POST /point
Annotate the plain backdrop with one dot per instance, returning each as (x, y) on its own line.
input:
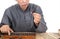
(50, 8)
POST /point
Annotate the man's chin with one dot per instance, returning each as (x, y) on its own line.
(24, 4)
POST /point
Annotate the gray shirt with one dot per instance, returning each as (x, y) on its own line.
(22, 21)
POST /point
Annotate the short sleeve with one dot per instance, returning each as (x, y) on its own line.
(6, 20)
(42, 25)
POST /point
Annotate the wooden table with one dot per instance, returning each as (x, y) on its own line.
(45, 36)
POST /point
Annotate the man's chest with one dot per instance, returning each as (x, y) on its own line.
(22, 18)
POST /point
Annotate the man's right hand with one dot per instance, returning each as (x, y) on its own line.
(6, 29)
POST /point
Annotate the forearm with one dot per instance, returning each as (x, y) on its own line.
(41, 28)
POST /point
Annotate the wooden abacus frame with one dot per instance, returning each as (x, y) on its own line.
(19, 35)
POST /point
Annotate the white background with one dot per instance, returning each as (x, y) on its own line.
(50, 8)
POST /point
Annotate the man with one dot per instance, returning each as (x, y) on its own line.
(23, 17)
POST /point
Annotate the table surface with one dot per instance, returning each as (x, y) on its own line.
(47, 36)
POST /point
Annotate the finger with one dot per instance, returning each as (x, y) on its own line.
(37, 19)
(33, 14)
(3, 31)
(0, 29)
(11, 30)
(36, 14)
(8, 32)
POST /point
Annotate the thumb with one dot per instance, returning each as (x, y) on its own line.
(34, 13)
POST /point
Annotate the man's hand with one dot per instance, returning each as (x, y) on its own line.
(37, 18)
(6, 29)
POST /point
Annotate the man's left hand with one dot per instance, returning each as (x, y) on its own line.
(37, 18)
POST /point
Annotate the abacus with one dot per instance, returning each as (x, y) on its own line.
(18, 35)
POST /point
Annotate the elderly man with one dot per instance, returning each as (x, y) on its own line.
(23, 17)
